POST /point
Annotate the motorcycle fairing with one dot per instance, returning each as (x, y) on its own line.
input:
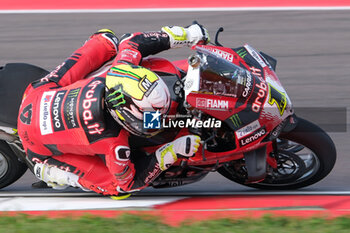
(255, 161)
(263, 97)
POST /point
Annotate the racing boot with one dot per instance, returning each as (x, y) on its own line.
(109, 38)
(191, 35)
(40, 185)
(56, 178)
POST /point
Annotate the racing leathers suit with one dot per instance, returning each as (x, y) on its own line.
(63, 123)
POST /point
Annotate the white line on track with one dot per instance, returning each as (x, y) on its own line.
(81, 203)
(171, 194)
(16, 201)
(147, 10)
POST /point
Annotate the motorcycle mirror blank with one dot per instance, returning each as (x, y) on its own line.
(221, 29)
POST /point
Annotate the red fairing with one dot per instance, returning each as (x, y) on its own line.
(181, 64)
(220, 107)
(160, 65)
(226, 53)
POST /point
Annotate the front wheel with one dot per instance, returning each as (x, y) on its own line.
(11, 169)
(305, 156)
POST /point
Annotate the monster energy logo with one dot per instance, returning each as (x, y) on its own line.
(118, 97)
(242, 53)
(236, 121)
(73, 93)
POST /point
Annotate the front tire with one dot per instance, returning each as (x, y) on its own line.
(11, 169)
(305, 169)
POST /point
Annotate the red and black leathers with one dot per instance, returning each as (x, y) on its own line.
(62, 120)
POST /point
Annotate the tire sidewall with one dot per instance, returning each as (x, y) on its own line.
(316, 140)
(15, 168)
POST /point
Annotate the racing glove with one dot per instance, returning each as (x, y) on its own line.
(191, 35)
(185, 146)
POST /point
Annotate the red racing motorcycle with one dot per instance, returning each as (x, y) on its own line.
(251, 135)
(232, 98)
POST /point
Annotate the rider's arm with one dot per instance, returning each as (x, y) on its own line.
(133, 47)
(100, 48)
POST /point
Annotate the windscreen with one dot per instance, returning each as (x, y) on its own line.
(219, 76)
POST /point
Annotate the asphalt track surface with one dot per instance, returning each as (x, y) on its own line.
(312, 49)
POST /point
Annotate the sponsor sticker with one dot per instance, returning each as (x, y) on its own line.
(248, 129)
(45, 113)
(70, 109)
(212, 104)
(253, 137)
(255, 55)
(236, 121)
(225, 55)
(242, 53)
(90, 109)
(259, 100)
(56, 108)
(201, 103)
(248, 85)
(256, 71)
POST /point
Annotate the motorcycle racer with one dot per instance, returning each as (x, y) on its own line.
(68, 123)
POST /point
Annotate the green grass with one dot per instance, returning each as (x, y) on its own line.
(147, 224)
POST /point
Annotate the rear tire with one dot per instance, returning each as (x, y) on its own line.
(11, 169)
(311, 137)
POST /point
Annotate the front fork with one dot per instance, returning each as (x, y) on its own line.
(256, 161)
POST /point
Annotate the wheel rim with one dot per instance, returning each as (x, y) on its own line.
(297, 164)
(4, 166)
(308, 168)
